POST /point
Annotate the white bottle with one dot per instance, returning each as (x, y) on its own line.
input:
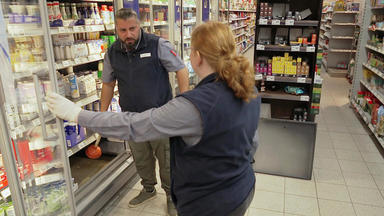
(74, 87)
(96, 9)
(60, 84)
(56, 10)
(51, 14)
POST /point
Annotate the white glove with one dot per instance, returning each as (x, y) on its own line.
(62, 107)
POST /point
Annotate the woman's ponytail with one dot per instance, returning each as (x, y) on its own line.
(216, 43)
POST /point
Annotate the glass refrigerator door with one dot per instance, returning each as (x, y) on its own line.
(32, 136)
(144, 15)
(160, 18)
(188, 24)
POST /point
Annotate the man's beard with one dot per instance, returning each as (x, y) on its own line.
(130, 46)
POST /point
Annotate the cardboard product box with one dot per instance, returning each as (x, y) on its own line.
(74, 134)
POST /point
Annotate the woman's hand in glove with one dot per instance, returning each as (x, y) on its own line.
(62, 107)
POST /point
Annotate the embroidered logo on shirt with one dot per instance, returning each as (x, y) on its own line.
(173, 52)
(145, 55)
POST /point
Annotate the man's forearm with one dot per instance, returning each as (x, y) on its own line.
(183, 80)
(106, 96)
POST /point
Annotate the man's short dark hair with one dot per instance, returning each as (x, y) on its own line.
(126, 13)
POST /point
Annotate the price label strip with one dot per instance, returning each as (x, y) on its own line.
(304, 98)
(311, 49)
(78, 61)
(62, 30)
(290, 22)
(276, 22)
(258, 77)
(78, 28)
(301, 80)
(271, 78)
(263, 22)
(295, 48)
(260, 47)
(66, 63)
(69, 152)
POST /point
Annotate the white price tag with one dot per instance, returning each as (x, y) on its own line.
(36, 122)
(6, 193)
(260, 47)
(17, 31)
(258, 77)
(263, 22)
(295, 48)
(78, 61)
(275, 22)
(82, 145)
(78, 28)
(318, 80)
(66, 63)
(57, 65)
(290, 22)
(301, 80)
(69, 152)
(311, 49)
(48, 178)
(62, 30)
(271, 78)
(102, 55)
(88, 28)
(304, 98)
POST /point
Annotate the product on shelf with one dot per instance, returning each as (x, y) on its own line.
(281, 11)
(283, 66)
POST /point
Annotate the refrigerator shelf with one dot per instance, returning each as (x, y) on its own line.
(21, 129)
(81, 145)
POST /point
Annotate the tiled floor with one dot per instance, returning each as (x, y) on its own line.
(348, 172)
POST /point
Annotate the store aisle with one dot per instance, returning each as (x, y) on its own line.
(348, 172)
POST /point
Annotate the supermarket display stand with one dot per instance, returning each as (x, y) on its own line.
(366, 46)
(295, 152)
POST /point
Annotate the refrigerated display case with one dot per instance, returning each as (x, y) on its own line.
(32, 141)
(153, 15)
(188, 22)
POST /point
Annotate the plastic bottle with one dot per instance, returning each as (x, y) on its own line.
(63, 12)
(96, 9)
(56, 8)
(91, 11)
(51, 14)
(60, 84)
(100, 69)
(105, 14)
(111, 14)
(74, 87)
(75, 16)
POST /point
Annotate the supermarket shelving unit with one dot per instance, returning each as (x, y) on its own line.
(242, 20)
(338, 40)
(282, 103)
(367, 48)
